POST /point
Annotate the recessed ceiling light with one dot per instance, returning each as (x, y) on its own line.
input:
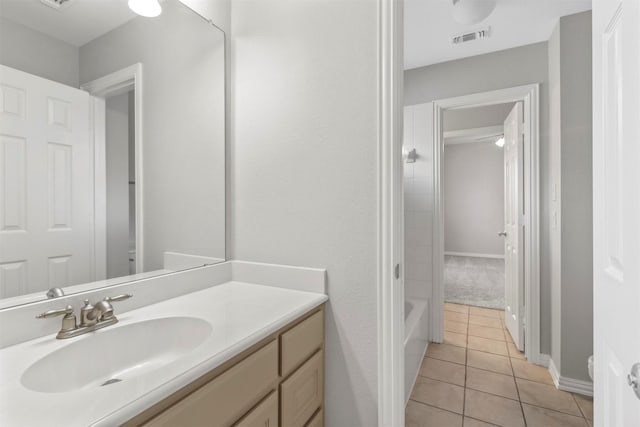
(146, 8)
(500, 142)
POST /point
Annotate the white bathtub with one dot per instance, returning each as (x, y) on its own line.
(416, 339)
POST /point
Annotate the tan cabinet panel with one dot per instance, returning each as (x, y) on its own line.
(227, 397)
(317, 420)
(263, 415)
(302, 393)
(301, 341)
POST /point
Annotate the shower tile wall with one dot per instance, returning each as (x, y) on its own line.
(418, 201)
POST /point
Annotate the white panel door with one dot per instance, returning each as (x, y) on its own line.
(616, 216)
(513, 228)
(46, 184)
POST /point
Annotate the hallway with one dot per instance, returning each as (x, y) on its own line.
(479, 378)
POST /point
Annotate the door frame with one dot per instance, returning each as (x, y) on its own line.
(529, 95)
(390, 215)
(118, 82)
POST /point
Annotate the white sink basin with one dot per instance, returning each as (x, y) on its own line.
(110, 356)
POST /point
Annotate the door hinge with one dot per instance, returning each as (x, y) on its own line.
(396, 271)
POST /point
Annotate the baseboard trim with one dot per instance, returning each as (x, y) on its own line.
(474, 255)
(543, 360)
(569, 384)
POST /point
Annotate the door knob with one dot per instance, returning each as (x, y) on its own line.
(633, 379)
(503, 234)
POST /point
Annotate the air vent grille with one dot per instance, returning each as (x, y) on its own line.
(471, 36)
(58, 5)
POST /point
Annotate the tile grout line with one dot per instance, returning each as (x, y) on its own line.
(436, 407)
(524, 419)
(584, 415)
(554, 410)
(474, 367)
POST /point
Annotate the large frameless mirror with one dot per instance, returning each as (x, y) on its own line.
(112, 145)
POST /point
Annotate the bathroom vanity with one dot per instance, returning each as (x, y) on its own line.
(279, 381)
(191, 338)
(243, 346)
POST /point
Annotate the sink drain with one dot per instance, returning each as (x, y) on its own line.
(111, 381)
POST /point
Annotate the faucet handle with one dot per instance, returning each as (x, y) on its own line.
(118, 298)
(68, 321)
(66, 311)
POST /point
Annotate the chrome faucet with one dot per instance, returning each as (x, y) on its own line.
(92, 317)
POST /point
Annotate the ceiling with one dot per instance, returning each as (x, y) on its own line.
(429, 26)
(78, 24)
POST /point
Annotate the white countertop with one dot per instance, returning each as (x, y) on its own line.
(241, 315)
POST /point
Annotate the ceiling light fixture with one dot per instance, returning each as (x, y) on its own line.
(472, 11)
(146, 8)
(500, 142)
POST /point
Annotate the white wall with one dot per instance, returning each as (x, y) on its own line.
(184, 126)
(117, 170)
(218, 11)
(303, 169)
(570, 66)
(499, 70)
(473, 196)
(37, 53)
(418, 193)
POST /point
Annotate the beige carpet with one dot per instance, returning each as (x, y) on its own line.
(474, 281)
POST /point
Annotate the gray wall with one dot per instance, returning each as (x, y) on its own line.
(36, 53)
(473, 194)
(183, 121)
(303, 167)
(555, 205)
(117, 170)
(570, 61)
(466, 118)
(499, 70)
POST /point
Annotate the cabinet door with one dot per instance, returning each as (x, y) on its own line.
(300, 342)
(263, 415)
(317, 420)
(226, 398)
(302, 392)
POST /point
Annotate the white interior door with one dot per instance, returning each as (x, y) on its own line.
(616, 219)
(46, 184)
(513, 226)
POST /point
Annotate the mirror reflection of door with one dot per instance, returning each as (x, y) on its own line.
(46, 185)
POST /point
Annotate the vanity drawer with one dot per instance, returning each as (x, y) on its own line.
(300, 342)
(263, 415)
(303, 392)
(227, 397)
(317, 420)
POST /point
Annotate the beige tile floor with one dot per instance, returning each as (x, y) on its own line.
(477, 377)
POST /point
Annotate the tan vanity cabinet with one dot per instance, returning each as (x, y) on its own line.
(263, 415)
(317, 420)
(278, 382)
(302, 392)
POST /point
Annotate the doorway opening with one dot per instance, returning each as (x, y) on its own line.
(474, 205)
(522, 263)
(116, 103)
